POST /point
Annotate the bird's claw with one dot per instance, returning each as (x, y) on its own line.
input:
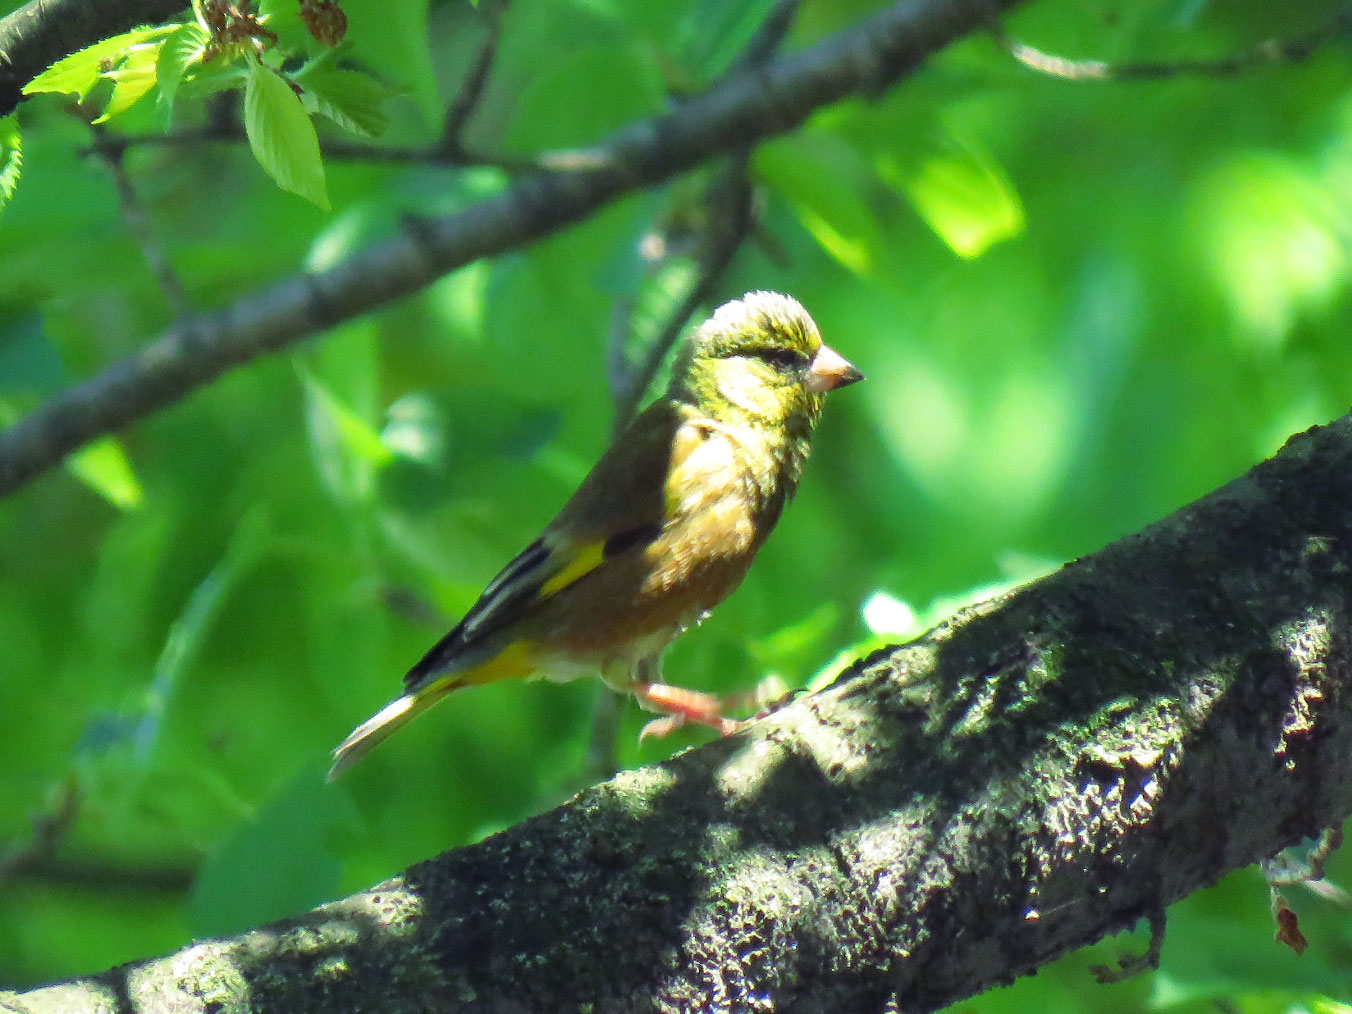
(660, 728)
(681, 706)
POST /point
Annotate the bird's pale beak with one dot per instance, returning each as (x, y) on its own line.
(830, 370)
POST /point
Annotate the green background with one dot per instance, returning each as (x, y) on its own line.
(1080, 305)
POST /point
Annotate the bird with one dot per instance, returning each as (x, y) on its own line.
(661, 530)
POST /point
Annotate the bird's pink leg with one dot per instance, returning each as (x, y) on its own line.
(675, 704)
(679, 706)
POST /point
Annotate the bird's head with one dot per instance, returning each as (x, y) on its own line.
(760, 359)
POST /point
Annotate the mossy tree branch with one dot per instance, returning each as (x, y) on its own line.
(1028, 777)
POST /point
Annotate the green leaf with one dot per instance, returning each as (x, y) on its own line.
(718, 31)
(281, 135)
(393, 38)
(191, 626)
(832, 191)
(29, 364)
(80, 72)
(282, 862)
(964, 196)
(103, 466)
(353, 100)
(11, 157)
(283, 18)
(347, 448)
(1274, 240)
(132, 79)
(181, 51)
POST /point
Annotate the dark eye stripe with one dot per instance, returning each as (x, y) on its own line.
(781, 359)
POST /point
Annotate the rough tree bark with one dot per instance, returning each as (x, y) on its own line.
(1028, 777)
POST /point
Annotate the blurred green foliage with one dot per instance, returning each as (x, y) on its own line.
(1079, 306)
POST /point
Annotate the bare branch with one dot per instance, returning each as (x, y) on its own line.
(740, 111)
(729, 221)
(134, 214)
(1028, 777)
(768, 37)
(476, 79)
(51, 826)
(1265, 54)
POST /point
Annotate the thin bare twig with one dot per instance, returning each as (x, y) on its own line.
(138, 224)
(733, 115)
(437, 153)
(769, 35)
(1285, 871)
(1267, 53)
(1135, 964)
(729, 211)
(476, 80)
(728, 221)
(51, 825)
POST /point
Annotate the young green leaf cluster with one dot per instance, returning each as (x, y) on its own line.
(227, 47)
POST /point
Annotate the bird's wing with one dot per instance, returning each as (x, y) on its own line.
(621, 506)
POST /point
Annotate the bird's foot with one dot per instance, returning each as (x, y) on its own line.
(681, 706)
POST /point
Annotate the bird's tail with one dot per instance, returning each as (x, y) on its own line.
(387, 721)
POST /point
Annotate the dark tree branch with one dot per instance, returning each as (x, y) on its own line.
(43, 31)
(51, 825)
(1031, 775)
(738, 112)
(438, 153)
(1265, 54)
(765, 43)
(476, 79)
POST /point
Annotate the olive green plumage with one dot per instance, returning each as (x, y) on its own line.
(661, 530)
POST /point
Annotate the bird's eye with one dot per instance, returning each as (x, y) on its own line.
(780, 359)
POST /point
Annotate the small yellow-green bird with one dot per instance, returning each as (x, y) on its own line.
(661, 530)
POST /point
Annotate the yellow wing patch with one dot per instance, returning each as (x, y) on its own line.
(588, 558)
(515, 661)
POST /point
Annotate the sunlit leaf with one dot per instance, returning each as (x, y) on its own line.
(103, 467)
(80, 72)
(11, 157)
(416, 429)
(347, 448)
(283, 18)
(180, 52)
(832, 191)
(964, 196)
(788, 646)
(1272, 239)
(132, 79)
(353, 100)
(281, 135)
(576, 94)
